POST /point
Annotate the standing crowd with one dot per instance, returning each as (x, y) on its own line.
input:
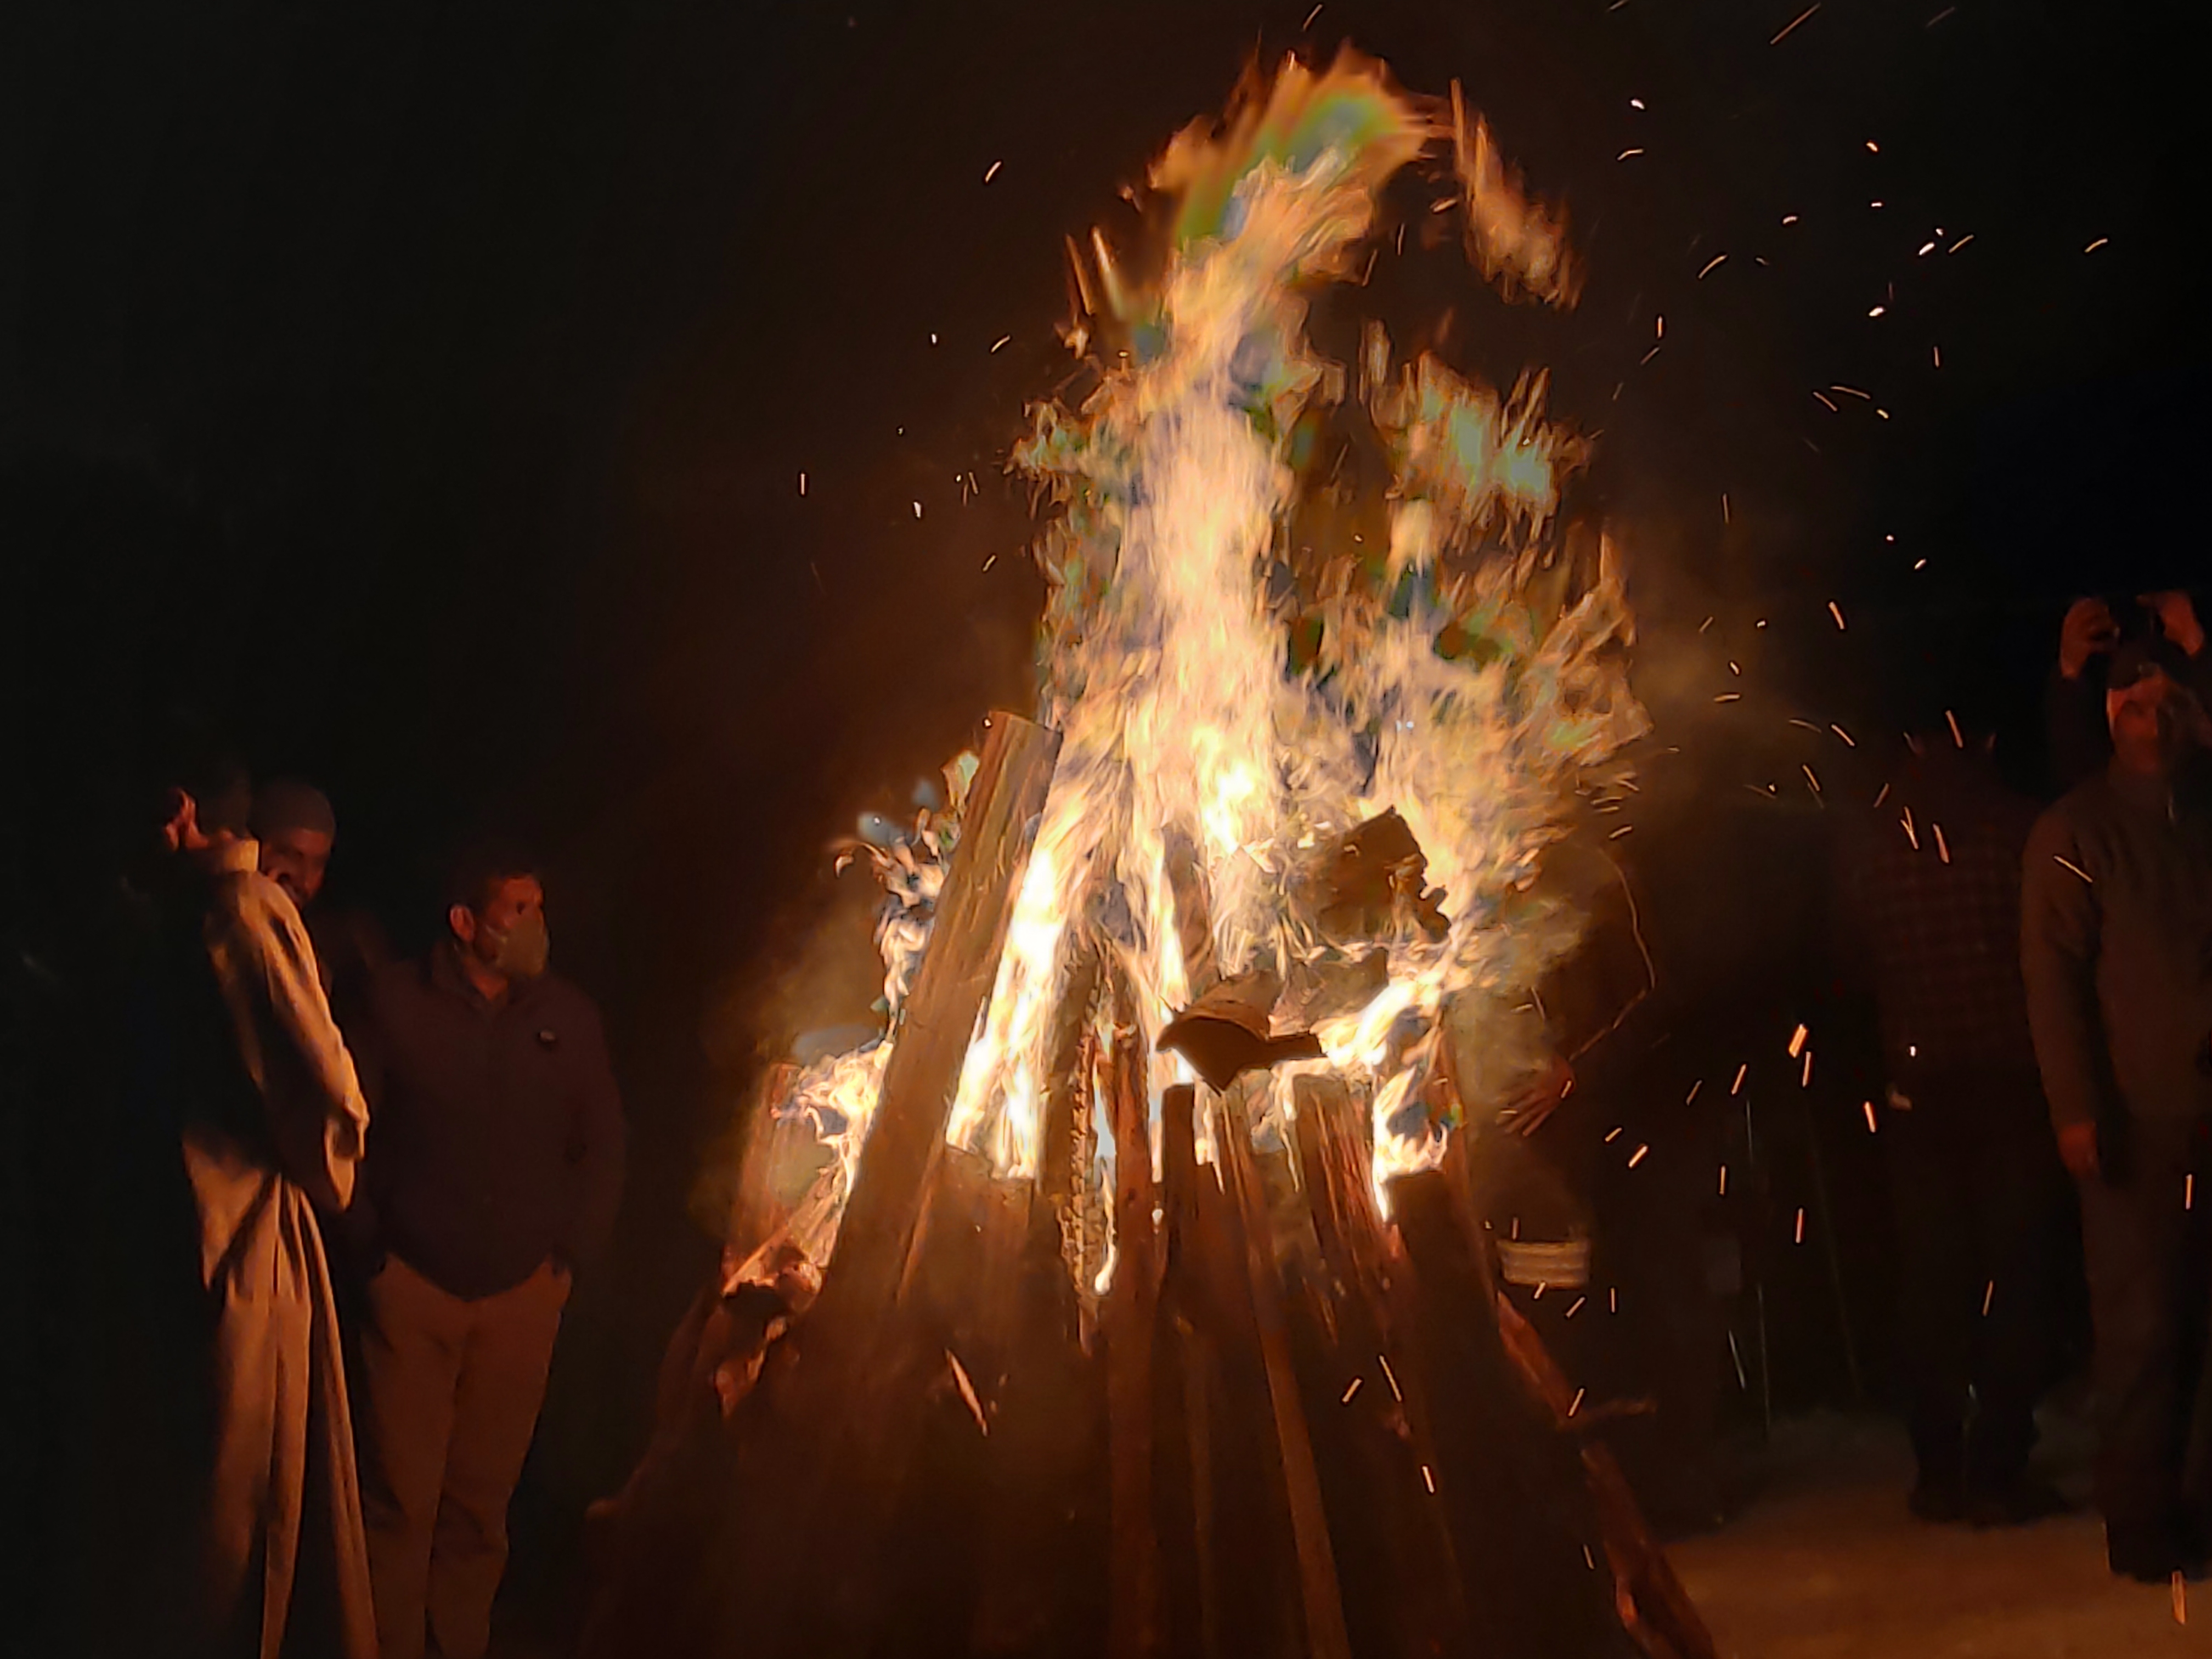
(2044, 988)
(387, 1174)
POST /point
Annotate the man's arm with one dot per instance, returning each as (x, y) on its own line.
(2059, 961)
(316, 1114)
(596, 1147)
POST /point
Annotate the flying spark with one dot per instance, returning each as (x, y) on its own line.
(1793, 23)
(991, 172)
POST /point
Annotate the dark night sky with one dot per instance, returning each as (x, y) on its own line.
(425, 387)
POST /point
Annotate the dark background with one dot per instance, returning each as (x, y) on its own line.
(426, 389)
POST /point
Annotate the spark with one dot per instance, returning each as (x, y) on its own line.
(1619, 833)
(2077, 870)
(1825, 398)
(1837, 614)
(992, 171)
(1724, 519)
(1724, 1181)
(1920, 564)
(2095, 245)
(802, 484)
(1576, 1404)
(1716, 259)
(1882, 797)
(1939, 17)
(1989, 1294)
(917, 509)
(1577, 1308)
(1351, 1391)
(1936, 352)
(1877, 310)
(1911, 834)
(1708, 622)
(1873, 149)
(1805, 1080)
(1625, 153)
(1659, 326)
(1868, 1107)
(1647, 356)
(1729, 696)
(1793, 23)
(1737, 1087)
(1428, 1479)
(1853, 392)
(1612, 1300)
(1638, 1155)
(1789, 218)
(1926, 248)
(1797, 1041)
(1845, 735)
(1960, 243)
(1000, 340)
(968, 1391)
(1612, 1135)
(1942, 847)
(1310, 15)
(1391, 1377)
(1693, 1095)
(1957, 739)
(1800, 1239)
(1635, 103)
(1874, 205)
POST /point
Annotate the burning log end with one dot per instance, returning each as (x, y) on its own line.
(1225, 1033)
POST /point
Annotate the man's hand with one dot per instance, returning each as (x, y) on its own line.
(2077, 1150)
(1531, 1108)
(2177, 620)
(2088, 631)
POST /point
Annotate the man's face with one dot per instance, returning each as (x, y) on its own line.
(295, 859)
(2149, 730)
(509, 901)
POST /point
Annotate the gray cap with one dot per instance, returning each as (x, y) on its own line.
(290, 804)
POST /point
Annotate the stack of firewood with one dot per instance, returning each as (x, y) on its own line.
(1291, 1426)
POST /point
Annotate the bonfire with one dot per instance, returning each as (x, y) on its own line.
(1126, 1293)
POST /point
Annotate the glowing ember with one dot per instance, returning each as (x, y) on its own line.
(1319, 723)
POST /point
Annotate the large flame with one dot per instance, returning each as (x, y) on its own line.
(1241, 679)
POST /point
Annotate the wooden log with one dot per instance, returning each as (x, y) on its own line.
(1191, 1587)
(998, 826)
(1131, 1308)
(1321, 1598)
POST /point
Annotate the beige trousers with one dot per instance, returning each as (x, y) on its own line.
(451, 1393)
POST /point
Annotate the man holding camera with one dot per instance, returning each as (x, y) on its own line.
(2074, 704)
(2115, 951)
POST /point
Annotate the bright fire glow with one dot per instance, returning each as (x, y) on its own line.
(1251, 649)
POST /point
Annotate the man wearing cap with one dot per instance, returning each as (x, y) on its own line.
(2074, 702)
(2116, 950)
(296, 828)
(493, 1174)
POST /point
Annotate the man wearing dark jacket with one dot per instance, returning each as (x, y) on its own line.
(495, 1172)
(2116, 944)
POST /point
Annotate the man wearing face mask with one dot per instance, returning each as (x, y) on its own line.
(2116, 954)
(493, 1175)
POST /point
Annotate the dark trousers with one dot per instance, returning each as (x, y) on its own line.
(2144, 1224)
(1978, 1193)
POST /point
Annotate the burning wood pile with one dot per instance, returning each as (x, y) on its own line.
(1129, 1294)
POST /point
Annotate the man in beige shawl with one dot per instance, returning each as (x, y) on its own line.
(239, 1054)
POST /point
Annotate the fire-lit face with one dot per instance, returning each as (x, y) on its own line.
(514, 904)
(296, 860)
(2149, 728)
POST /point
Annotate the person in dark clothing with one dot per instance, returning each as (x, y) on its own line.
(2074, 702)
(493, 1176)
(297, 831)
(1932, 890)
(2116, 944)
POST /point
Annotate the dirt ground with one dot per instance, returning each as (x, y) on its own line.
(1825, 1564)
